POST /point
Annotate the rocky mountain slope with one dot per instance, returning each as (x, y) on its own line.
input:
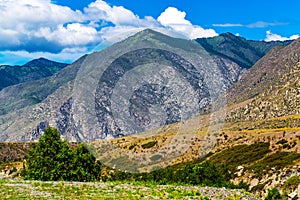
(270, 89)
(89, 99)
(31, 71)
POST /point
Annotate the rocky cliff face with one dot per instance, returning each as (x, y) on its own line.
(143, 82)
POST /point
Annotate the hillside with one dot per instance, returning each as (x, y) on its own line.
(31, 71)
(270, 88)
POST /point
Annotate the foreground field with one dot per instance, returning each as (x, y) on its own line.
(19, 189)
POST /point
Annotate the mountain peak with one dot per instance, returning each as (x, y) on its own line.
(148, 33)
(42, 62)
(32, 70)
(228, 34)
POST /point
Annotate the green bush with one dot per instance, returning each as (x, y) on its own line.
(273, 194)
(51, 160)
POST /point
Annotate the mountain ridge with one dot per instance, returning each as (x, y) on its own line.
(33, 70)
(238, 49)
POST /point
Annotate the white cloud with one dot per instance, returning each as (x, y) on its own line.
(73, 34)
(175, 20)
(110, 35)
(118, 15)
(32, 25)
(275, 37)
(42, 27)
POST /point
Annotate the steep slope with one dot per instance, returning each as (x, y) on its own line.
(145, 81)
(33, 70)
(241, 51)
(270, 89)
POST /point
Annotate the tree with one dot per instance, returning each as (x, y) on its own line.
(85, 166)
(53, 160)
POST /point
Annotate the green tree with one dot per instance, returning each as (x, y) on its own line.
(85, 166)
(49, 159)
(53, 160)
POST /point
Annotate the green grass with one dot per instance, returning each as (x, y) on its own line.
(13, 189)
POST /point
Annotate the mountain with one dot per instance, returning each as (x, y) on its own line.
(239, 50)
(33, 70)
(269, 90)
(146, 81)
(257, 140)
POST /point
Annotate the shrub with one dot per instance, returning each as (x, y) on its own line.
(149, 145)
(201, 174)
(51, 160)
(273, 194)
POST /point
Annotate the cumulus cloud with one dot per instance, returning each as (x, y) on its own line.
(32, 27)
(175, 20)
(118, 15)
(72, 34)
(35, 25)
(275, 37)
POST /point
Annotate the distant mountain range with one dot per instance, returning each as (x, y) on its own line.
(209, 66)
(241, 51)
(31, 71)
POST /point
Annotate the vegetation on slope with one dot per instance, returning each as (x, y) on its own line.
(241, 155)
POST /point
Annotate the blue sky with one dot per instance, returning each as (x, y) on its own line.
(63, 30)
